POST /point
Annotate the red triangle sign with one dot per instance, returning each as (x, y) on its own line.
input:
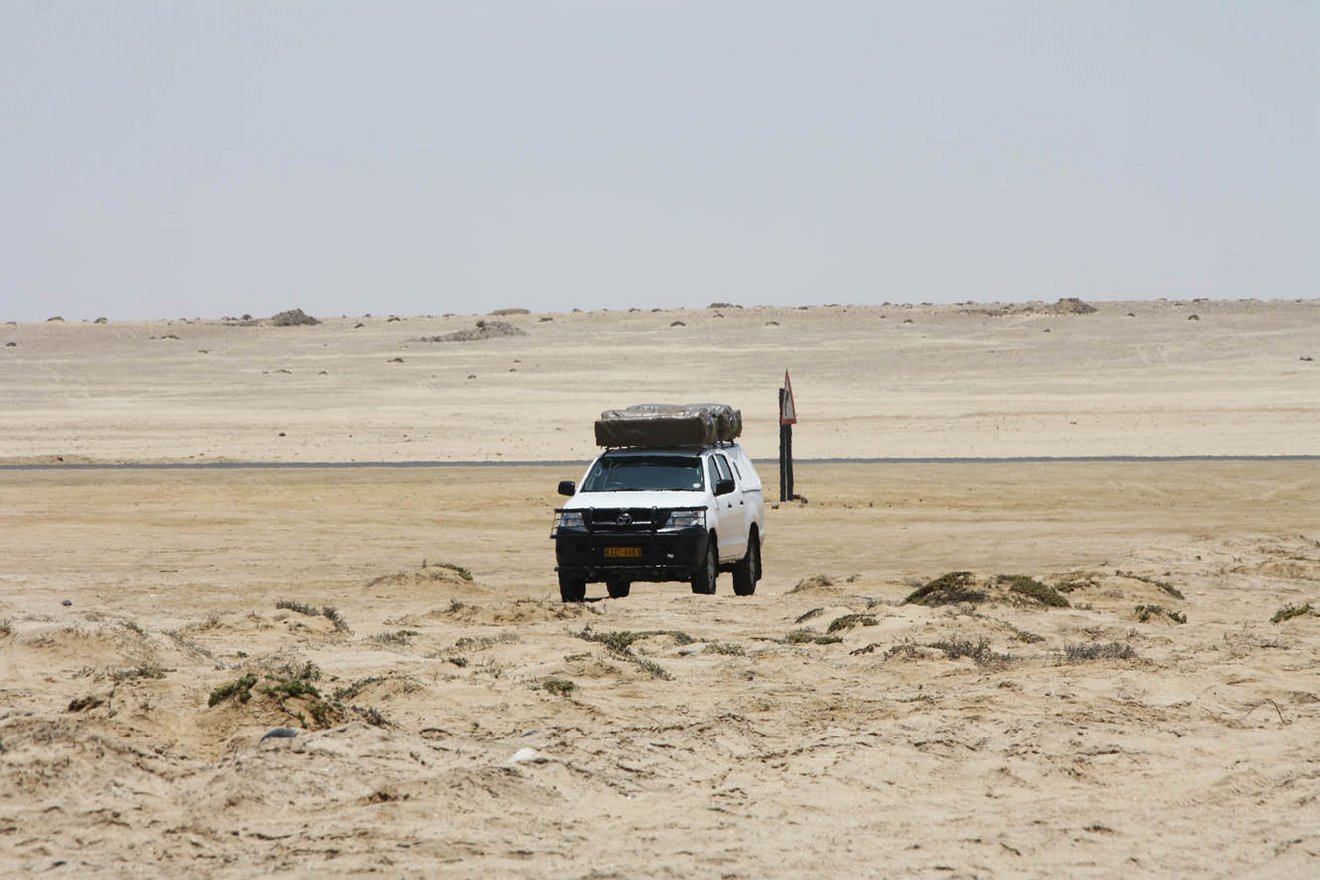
(788, 411)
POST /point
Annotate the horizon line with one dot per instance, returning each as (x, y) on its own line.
(515, 311)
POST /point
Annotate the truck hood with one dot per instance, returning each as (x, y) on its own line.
(583, 500)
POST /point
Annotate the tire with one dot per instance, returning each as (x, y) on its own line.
(747, 571)
(703, 580)
(618, 589)
(572, 588)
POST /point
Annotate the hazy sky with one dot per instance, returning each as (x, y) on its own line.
(176, 159)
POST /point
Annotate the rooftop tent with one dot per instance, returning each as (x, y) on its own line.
(667, 424)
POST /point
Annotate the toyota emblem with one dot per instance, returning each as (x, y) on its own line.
(624, 519)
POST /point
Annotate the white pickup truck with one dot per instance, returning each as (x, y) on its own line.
(673, 513)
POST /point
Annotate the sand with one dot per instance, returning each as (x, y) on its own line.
(901, 381)
(453, 718)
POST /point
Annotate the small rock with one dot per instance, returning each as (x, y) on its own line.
(279, 733)
(291, 318)
(67, 602)
(528, 756)
(386, 794)
(483, 330)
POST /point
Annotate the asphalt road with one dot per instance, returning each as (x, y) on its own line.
(332, 465)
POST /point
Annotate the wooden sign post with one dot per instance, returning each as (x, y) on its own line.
(787, 419)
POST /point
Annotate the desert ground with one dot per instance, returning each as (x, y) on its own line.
(1095, 667)
(903, 381)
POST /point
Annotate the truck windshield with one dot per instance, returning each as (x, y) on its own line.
(639, 474)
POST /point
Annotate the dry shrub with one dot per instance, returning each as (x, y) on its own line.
(978, 652)
(1079, 653)
(815, 582)
(1033, 589)
(948, 589)
(1288, 612)
(848, 621)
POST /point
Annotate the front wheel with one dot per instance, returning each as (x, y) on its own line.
(747, 571)
(618, 589)
(703, 579)
(572, 588)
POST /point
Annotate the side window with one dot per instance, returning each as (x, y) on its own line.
(722, 463)
(714, 474)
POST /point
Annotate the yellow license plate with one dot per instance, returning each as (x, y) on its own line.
(623, 552)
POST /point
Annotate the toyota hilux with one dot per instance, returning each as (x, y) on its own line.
(668, 513)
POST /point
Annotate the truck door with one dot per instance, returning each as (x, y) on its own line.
(733, 513)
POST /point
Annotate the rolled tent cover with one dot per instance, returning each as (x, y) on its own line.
(668, 424)
(728, 421)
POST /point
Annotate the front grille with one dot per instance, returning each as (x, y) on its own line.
(628, 519)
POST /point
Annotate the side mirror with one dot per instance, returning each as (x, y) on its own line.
(566, 487)
(723, 487)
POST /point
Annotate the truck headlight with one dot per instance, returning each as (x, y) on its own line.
(566, 519)
(686, 519)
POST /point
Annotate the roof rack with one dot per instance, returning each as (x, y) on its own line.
(676, 447)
